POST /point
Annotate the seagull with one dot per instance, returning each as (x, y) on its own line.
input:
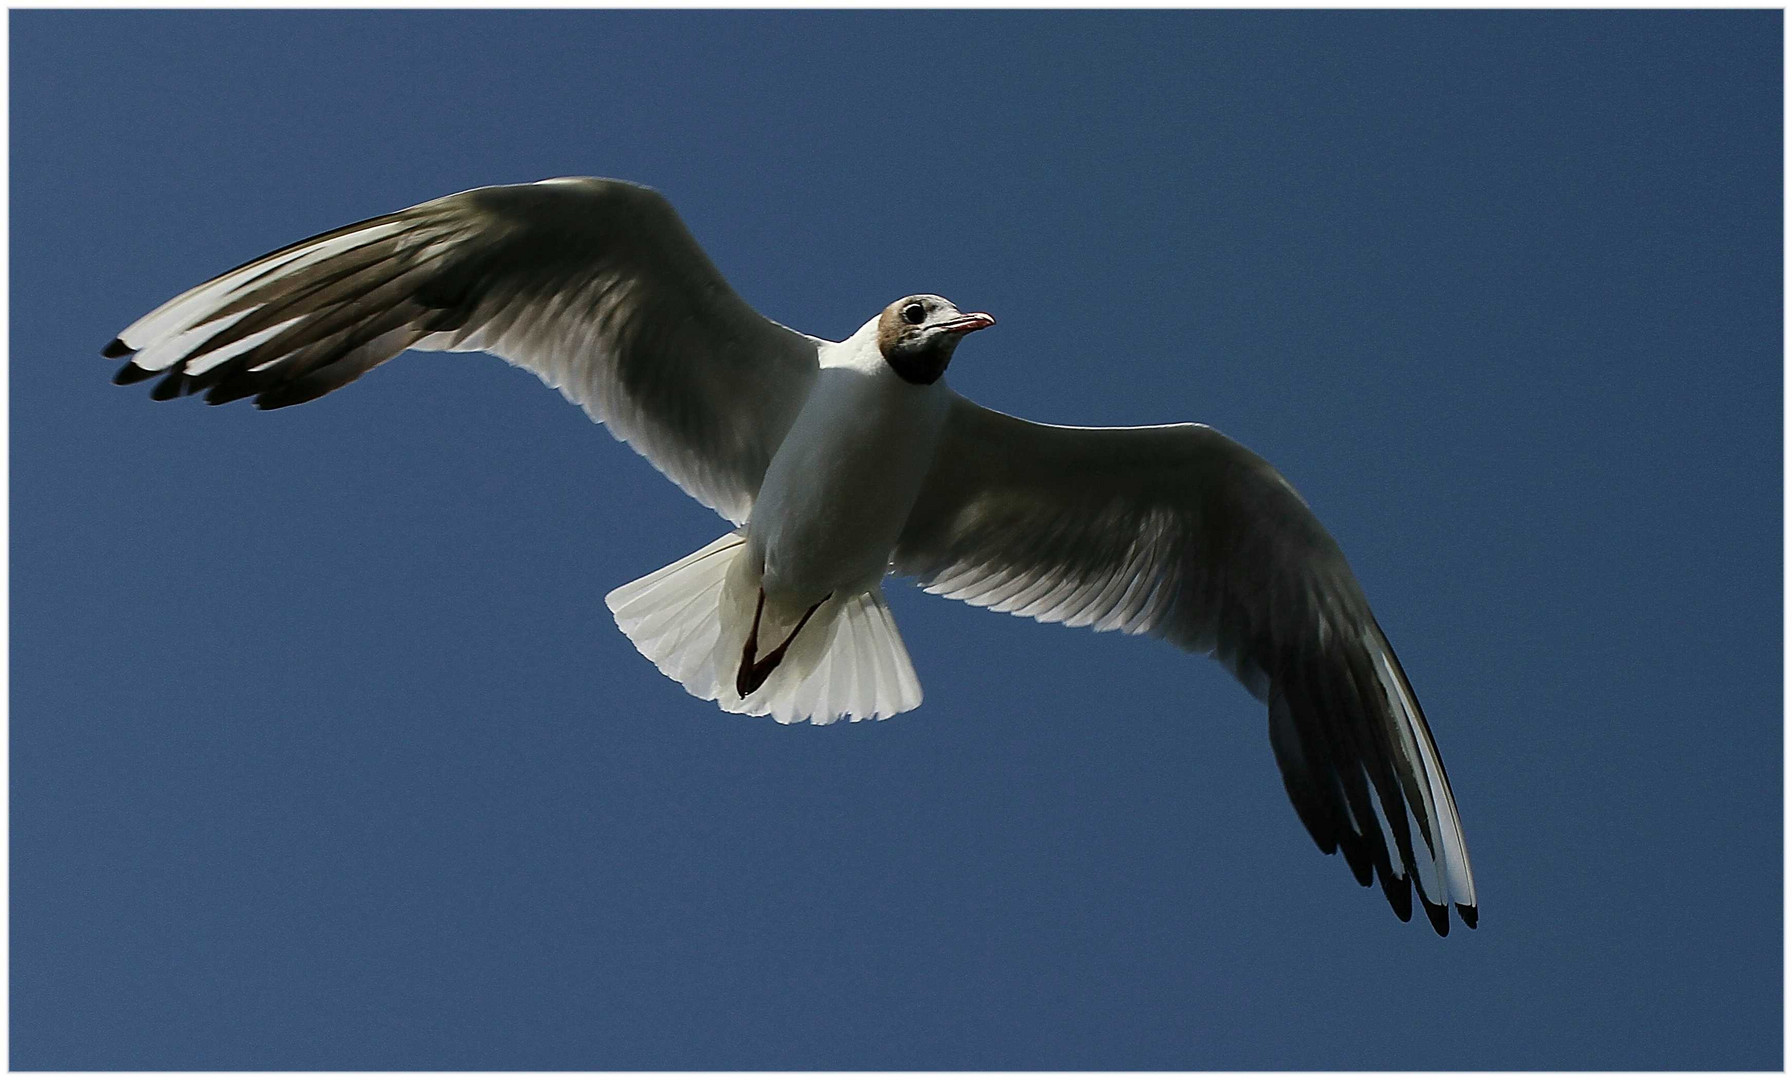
(839, 463)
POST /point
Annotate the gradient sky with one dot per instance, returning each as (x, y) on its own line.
(326, 753)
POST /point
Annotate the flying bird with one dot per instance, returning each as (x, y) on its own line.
(840, 463)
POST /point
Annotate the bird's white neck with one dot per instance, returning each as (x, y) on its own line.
(858, 352)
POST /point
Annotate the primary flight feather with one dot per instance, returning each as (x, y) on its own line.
(840, 463)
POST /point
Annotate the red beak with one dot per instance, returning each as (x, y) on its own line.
(964, 324)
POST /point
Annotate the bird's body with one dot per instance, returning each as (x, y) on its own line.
(840, 487)
(839, 463)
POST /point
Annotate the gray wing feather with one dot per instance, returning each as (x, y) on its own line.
(594, 285)
(1181, 533)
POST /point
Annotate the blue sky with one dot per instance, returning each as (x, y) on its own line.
(326, 753)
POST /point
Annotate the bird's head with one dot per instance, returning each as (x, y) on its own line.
(917, 334)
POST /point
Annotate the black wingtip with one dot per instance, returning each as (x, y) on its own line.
(116, 348)
(171, 387)
(1439, 914)
(1399, 893)
(1468, 915)
(268, 400)
(130, 373)
(1361, 867)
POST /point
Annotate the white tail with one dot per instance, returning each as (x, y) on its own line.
(692, 618)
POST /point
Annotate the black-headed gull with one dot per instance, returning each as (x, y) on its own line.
(839, 463)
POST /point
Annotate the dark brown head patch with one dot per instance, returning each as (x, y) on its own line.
(889, 328)
(915, 352)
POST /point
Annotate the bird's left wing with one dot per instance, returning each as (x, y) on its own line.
(1179, 532)
(594, 285)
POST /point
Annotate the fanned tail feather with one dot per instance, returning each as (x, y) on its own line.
(692, 618)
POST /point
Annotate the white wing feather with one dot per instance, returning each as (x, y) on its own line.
(594, 285)
(1181, 533)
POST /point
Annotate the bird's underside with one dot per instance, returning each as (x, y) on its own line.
(1173, 531)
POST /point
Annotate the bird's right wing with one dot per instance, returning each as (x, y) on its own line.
(594, 285)
(1181, 533)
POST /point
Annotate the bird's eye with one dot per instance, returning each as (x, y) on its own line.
(914, 314)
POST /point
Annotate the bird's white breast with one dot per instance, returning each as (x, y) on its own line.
(840, 488)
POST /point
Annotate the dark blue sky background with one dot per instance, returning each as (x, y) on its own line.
(326, 753)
